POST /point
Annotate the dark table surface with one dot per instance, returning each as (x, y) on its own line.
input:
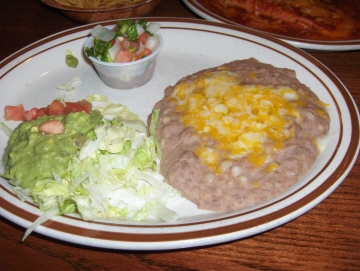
(325, 238)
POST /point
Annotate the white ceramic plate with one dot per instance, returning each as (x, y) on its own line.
(347, 45)
(31, 76)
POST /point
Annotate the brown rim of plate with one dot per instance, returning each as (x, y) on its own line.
(337, 175)
(55, 4)
(195, 4)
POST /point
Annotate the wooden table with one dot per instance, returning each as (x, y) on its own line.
(325, 238)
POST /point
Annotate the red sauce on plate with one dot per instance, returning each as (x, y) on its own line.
(306, 19)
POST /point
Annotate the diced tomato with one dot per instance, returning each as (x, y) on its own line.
(42, 111)
(144, 53)
(87, 106)
(143, 37)
(125, 44)
(31, 114)
(124, 56)
(14, 112)
(134, 46)
(35, 113)
(56, 108)
(71, 107)
(83, 105)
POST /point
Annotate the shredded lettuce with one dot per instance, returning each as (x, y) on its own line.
(41, 219)
(120, 112)
(114, 176)
(154, 119)
(5, 129)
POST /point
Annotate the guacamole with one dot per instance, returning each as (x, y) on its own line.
(31, 156)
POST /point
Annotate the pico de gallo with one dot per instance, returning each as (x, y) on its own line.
(128, 41)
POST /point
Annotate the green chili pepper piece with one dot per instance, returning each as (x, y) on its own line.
(96, 44)
(88, 51)
(118, 33)
(128, 22)
(106, 57)
(132, 33)
(71, 61)
(101, 47)
(100, 50)
(143, 23)
(123, 29)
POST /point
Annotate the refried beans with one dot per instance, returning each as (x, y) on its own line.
(238, 134)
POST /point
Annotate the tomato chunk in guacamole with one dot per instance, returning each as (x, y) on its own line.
(31, 155)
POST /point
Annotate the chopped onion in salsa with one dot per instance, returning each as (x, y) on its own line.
(128, 41)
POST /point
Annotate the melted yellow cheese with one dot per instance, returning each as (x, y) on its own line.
(242, 119)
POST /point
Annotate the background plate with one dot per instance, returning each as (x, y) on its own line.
(31, 76)
(348, 45)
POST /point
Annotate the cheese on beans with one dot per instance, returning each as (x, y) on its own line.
(242, 119)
